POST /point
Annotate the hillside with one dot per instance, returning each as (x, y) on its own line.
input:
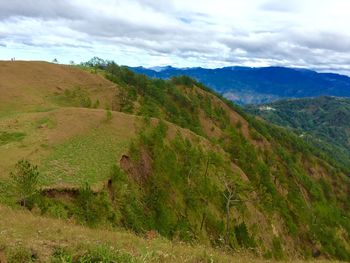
(166, 159)
(260, 85)
(323, 121)
(35, 86)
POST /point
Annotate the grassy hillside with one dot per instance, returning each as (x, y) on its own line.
(323, 121)
(169, 158)
(40, 86)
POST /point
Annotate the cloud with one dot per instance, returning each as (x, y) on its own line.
(324, 41)
(281, 6)
(181, 32)
(39, 9)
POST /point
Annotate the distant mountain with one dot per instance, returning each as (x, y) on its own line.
(245, 85)
(325, 121)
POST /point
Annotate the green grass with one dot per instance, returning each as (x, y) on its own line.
(8, 137)
(86, 158)
(77, 97)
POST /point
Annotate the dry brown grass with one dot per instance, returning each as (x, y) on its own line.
(27, 85)
(44, 235)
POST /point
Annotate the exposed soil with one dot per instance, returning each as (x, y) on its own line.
(66, 194)
(138, 170)
(2, 256)
(110, 189)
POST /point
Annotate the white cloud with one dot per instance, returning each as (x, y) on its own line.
(184, 33)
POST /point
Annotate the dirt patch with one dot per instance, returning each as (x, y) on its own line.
(237, 170)
(67, 194)
(152, 234)
(209, 127)
(110, 189)
(234, 118)
(138, 170)
(2, 256)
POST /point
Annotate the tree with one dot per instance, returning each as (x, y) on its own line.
(55, 60)
(25, 178)
(230, 197)
(205, 199)
(235, 192)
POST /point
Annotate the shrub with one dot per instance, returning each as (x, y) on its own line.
(85, 102)
(105, 254)
(93, 209)
(25, 179)
(61, 255)
(96, 104)
(108, 115)
(243, 237)
(20, 254)
(277, 249)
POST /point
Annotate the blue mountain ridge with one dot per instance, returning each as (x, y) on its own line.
(246, 85)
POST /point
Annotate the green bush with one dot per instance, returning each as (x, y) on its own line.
(61, 255)
(76, 97)
(243, 237)
(277, 249)
(105, 254)
(93, 209)
(20, 254)
(53, 207)
(109, 115)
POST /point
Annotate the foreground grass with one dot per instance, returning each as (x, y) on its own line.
(23, 234)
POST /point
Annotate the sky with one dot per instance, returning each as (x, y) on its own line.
(312, 34)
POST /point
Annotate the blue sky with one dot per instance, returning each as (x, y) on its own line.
(183, 33)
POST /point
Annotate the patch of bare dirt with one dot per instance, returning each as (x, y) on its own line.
(66, 194)
(2, 256)
(209, 127)
(152, 234)
(138, 170)
(235, 119)
(237, 170)
(110, 190)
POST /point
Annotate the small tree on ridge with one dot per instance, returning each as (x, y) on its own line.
(25, 179)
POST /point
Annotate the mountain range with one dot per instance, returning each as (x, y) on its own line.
(245, 85)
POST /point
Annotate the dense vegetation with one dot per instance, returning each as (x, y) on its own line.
(323, 122)
(278, 171)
